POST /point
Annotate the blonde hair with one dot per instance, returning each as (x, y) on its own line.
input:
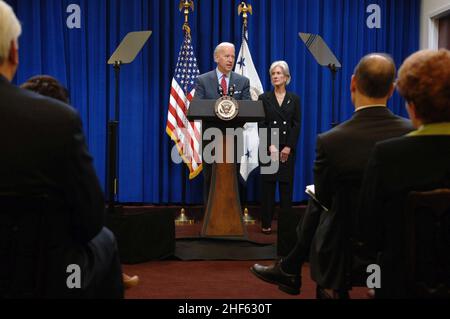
(10, 29)
(284, 67)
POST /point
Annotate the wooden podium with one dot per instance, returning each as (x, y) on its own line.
(223, 216)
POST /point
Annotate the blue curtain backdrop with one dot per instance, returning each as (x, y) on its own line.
(146, 174)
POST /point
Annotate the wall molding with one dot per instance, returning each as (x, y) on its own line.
(433, 25)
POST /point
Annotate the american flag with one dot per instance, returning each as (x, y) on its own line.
(185, 134)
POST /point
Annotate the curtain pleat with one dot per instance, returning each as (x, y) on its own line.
(77, 57)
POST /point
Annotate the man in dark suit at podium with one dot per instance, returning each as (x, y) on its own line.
(211, 86)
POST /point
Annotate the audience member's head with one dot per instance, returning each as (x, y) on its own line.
(10, 31)
(424, 82)
(47, 86)
(373, 79)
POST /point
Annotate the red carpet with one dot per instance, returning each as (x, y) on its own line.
(212, 279)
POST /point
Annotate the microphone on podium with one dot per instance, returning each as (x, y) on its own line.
(231, 90)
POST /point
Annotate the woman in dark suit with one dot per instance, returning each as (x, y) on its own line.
(282, 121)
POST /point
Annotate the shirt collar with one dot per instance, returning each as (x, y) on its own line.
(432, 129)
(359, 108)
(219, 74)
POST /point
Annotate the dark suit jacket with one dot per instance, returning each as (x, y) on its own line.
(207, 86)
(287, 120)
(397, 167)
(43, 151)
(341, 156)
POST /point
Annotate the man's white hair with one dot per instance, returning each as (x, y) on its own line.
(221, 46)
(10, 29)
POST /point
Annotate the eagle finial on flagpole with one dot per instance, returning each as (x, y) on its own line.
(186, 5)
(244, 8)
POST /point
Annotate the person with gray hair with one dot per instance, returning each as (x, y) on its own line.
(211, 86)
(10, 30)
(44, 153)
(283, 119)
(341, 156)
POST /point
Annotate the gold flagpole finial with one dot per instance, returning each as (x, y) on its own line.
(244, 8)
(186, 5)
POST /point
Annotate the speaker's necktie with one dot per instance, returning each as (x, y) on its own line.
(223, 83)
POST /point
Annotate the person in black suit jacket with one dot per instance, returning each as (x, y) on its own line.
(47, 85)
(46, 153)
(419, 161)
(282, 121)
(213, 84)
(341, 156)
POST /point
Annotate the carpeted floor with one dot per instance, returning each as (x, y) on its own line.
(213, 279)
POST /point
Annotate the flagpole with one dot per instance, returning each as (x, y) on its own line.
(182, 218)
(244, 9)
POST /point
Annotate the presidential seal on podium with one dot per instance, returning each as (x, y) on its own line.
(226, 108)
